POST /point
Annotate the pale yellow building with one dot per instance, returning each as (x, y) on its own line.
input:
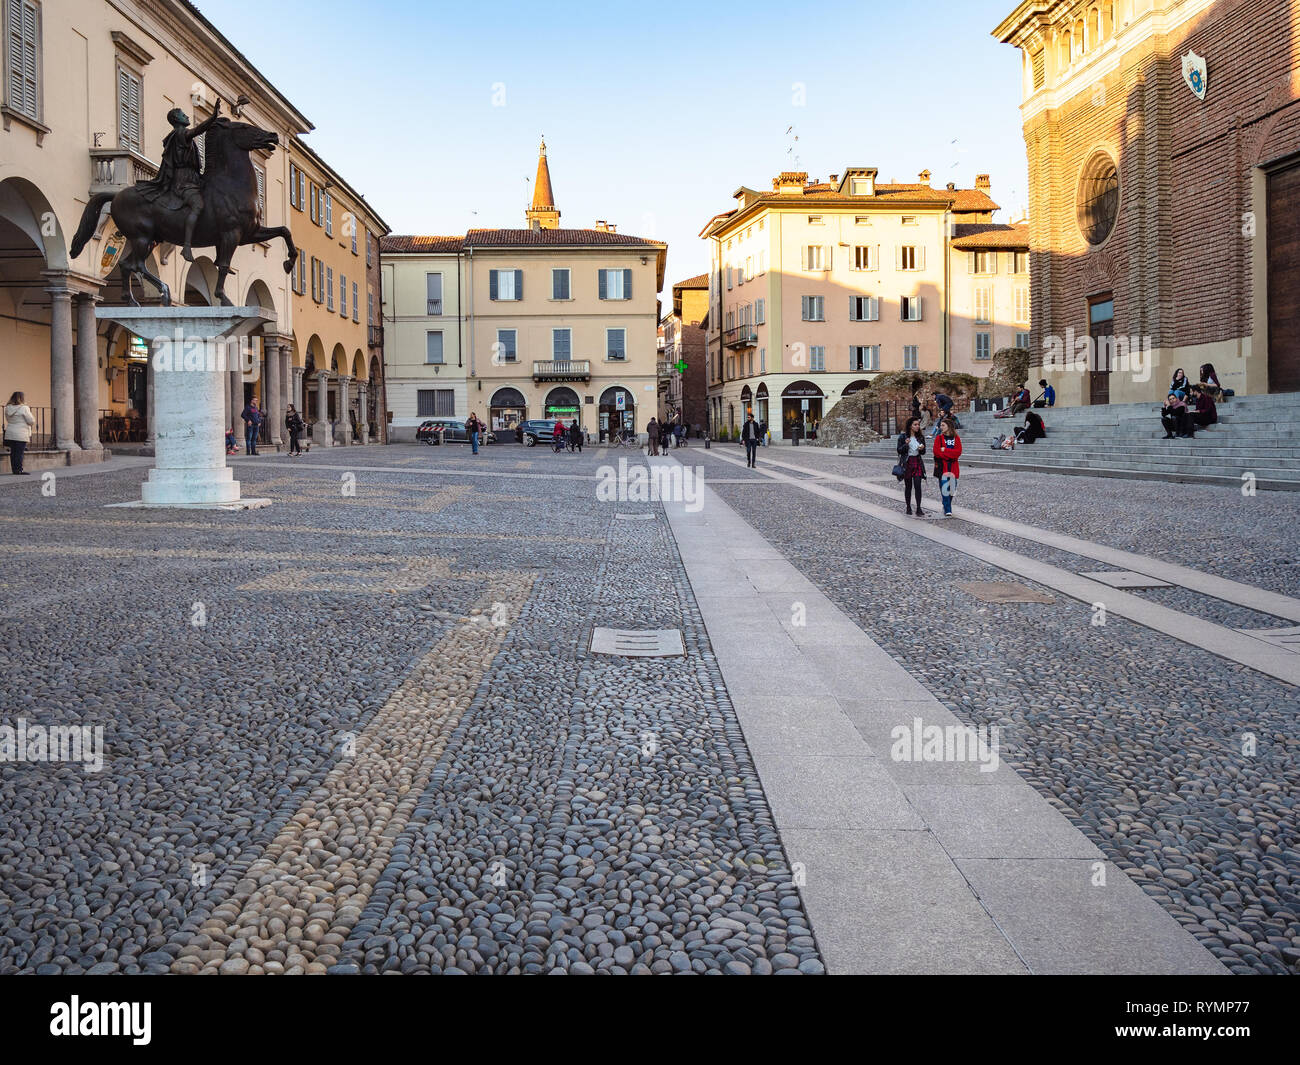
(553, 323)
(423, 327)
(337, 356)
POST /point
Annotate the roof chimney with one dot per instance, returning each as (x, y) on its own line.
(834, 179)
(924, 177)
(606, 227)
(790, 182)
(952, 186)
(982, 182)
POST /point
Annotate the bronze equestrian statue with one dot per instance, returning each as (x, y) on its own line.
(217, 208)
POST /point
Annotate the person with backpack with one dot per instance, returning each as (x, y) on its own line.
(911, 468)
(947, 450)
(294, 423)
(652, 436)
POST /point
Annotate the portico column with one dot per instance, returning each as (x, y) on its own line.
(286, 387)
(320, 432)
(298, 395)
(150, 422)
(87, 377)
(363, 396)
(274, 396)
(61, 373)
(237, 401)
(345, 423)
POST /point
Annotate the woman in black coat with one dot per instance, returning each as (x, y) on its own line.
(911, 448)
(1033, 429)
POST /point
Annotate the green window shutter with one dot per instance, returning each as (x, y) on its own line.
(492, 284)
(519, 284)
(627, 284)
(602, 286)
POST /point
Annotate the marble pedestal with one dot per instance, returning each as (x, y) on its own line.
(192, 350)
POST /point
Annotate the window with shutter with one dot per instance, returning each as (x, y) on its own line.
(23, 58)
(561, 344)
(355, 311)
(519, 284)
(261, 193)
(343, 295)
(433, 294)
(760, 315)
(128, 109)
(506, 345)
(329, 288)
(433, 347)
(616, 344)
(560, 284)
(329, 215)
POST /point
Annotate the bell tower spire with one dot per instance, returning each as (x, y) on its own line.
(543, 214)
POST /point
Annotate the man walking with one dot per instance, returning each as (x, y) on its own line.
(252, 426)
(652, 435)
(472, 427)
(749, 434)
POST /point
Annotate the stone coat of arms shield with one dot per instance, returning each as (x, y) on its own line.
(1194, 74)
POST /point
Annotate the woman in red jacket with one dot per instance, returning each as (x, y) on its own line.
(947, 450)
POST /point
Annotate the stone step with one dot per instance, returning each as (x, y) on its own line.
(1111, 462)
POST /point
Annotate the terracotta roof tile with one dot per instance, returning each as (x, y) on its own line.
(505, 238)
(699, 281)
(991, 236)
(397, 245)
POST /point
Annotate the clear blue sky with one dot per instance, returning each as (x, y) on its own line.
(653, 114)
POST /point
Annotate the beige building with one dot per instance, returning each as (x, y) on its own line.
(555, 323)
(988, 303)
(816, 287)
(86, 90)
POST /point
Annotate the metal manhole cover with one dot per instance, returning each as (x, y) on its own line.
(637, 643)
(634, 517)
(1003, 592)
(1123, 578)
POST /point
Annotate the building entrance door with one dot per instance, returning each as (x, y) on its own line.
(1101, 327)
(1283, 234)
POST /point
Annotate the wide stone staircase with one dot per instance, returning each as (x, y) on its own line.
(1259, 435)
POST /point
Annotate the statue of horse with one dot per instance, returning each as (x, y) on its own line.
(230, 217)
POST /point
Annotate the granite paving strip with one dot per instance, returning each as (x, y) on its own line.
(884, 843)
(313, 881)
(1228, 643)
(1246, 595)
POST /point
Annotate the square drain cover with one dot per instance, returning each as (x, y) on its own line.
(1003, 592)
(1123, 578)
(634, 517)
(638, 643)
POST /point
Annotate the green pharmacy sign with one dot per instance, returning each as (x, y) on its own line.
(680, 366)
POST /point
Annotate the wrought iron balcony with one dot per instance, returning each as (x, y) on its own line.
(743, 336)
(562, 370)
(114, 169)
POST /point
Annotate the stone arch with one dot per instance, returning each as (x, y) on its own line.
(359, 366)
(259, 295)
(24, 207)
(200, 283)
(339, 360)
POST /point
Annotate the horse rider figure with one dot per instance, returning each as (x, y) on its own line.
(179, 172)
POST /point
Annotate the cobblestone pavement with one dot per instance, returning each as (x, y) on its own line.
(1142, 741)
(360, 730)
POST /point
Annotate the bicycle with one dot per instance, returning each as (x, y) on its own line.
(626, 438)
